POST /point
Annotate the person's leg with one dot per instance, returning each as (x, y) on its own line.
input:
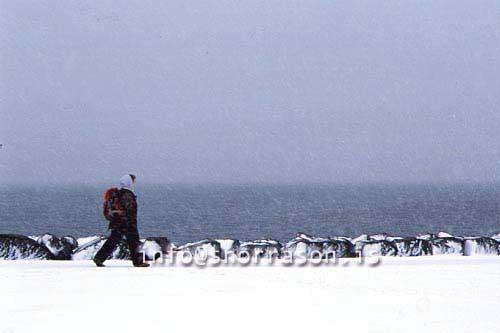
(133, 242)
(109, 246)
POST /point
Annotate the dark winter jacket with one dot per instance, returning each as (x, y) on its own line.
(128, 203)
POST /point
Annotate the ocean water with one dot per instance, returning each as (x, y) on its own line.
(190, 213)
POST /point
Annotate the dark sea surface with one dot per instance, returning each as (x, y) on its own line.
(190, 213)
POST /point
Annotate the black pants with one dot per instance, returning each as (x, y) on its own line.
(131, 234)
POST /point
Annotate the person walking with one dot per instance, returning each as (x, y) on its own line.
(120, 209)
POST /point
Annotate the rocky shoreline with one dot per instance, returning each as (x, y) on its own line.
(50, 247)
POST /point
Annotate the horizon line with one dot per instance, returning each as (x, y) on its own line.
(245, 184)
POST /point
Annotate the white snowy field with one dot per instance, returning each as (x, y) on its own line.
(431, 294)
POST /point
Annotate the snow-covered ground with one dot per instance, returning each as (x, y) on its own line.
(413, 294)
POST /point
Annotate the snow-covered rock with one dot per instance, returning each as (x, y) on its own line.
(90, 245)
(70, 242)
(13, 247)
(447, 245)
(61, 250)
(342, 247)
(378, 248)
(151, 250)
(265, 248)
(152, 247)
(412, 246)
(358, 242)
(444, 234)
(303, 245)
(203, 249)
(228, 246)
(156, 247)
(426, 236)
(496, 236)
(307, 246)
(481, 246)
(360, 238)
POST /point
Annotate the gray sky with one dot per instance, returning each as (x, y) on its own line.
(250, 91)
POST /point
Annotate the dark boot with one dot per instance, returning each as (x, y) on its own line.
(98, 262)
(143, 264)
